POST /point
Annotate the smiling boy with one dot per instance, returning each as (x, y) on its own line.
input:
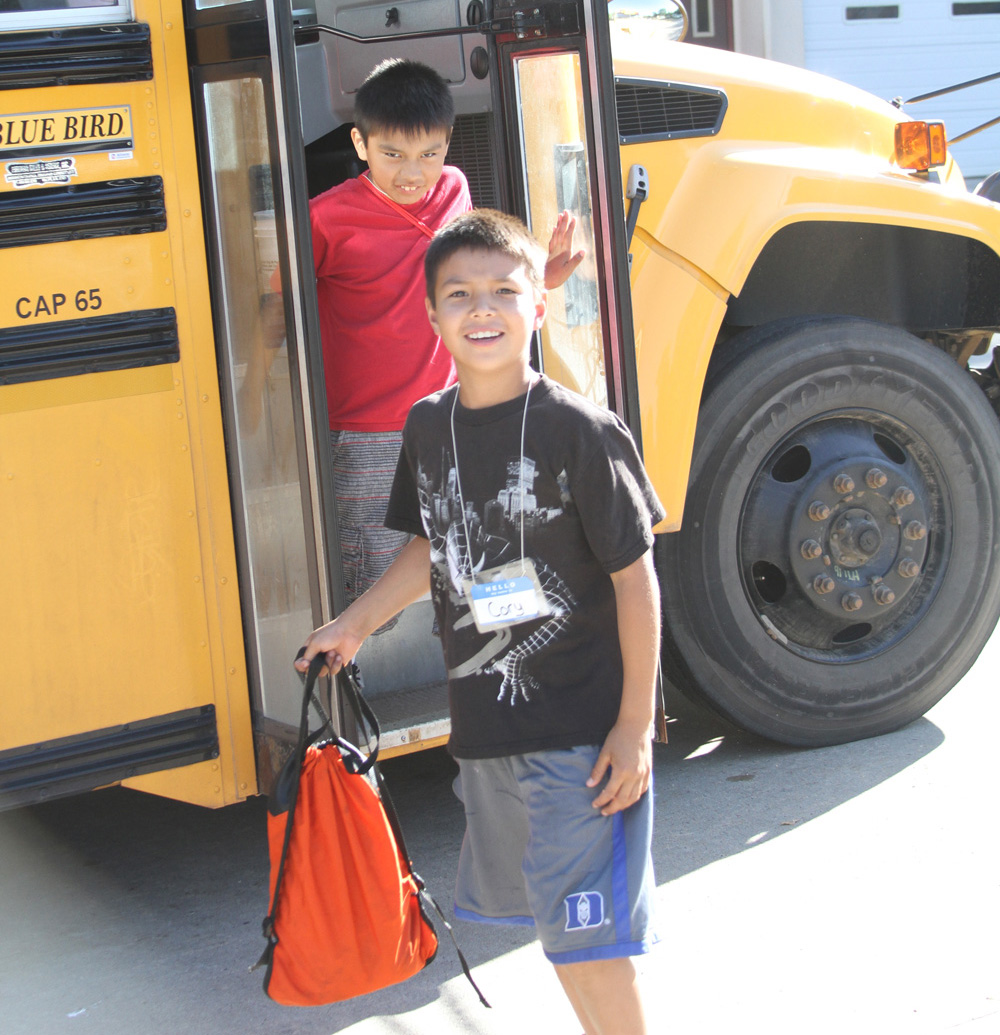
(532, 515)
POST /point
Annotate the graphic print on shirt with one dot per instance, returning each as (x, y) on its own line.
(494, 538)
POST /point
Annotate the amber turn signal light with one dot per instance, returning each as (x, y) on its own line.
(920, 145)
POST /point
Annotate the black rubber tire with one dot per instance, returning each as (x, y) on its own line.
(744, 628)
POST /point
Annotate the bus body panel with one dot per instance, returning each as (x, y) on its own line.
(115, 499)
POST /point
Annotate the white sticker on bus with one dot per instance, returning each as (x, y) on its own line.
(45, 173)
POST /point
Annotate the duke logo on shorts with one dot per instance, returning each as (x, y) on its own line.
(584, 910)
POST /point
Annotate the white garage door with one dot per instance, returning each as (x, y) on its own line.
(911, 47)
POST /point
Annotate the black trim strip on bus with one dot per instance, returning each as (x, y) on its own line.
(89, 54)
(109, 209)
(74, 147)
(71, 765)
(64, 348)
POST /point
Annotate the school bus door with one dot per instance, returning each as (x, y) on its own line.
(558, 112)
(246, 108)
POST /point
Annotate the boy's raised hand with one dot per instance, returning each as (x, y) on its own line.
(628, 752)
(562, 260)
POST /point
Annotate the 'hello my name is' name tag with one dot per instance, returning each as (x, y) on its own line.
(505, 596)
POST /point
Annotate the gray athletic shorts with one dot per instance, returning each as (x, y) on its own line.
(536, 852)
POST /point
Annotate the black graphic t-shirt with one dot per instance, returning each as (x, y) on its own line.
(588, 509)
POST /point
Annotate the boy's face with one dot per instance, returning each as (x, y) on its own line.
(403, 165)
(485, 309)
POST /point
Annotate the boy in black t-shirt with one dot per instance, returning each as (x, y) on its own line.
(533, 517)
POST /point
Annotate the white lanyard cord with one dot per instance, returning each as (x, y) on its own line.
(458, 478)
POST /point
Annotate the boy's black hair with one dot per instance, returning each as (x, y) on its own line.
(405, 96)
(485, 230)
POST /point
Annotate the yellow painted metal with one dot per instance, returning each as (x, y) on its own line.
(121, 599)
(410, 748)
(715, 202)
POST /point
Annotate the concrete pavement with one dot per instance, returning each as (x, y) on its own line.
(850, 889)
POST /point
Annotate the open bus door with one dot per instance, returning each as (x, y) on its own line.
(246, 108)
(535, 133)
(558, 108)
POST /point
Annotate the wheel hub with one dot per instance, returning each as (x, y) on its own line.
(834, 534)
(854, 538)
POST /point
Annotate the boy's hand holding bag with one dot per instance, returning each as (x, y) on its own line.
(346, 913)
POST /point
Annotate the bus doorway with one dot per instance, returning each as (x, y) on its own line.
(529, 138)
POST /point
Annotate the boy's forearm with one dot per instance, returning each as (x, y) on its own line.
(628, 747)
(637, 599)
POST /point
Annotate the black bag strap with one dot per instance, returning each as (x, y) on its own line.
(302, 744)
(351, 683)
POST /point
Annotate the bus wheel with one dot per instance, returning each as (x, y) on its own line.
(838, 568)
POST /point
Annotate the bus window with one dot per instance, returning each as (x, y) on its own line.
(553, 131)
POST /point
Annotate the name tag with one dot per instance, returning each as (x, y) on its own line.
(505, 596)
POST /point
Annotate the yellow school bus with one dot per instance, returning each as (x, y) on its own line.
(789, 295)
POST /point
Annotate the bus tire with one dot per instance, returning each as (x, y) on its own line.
(838, 567)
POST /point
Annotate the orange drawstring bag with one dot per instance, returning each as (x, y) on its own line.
(347, 911)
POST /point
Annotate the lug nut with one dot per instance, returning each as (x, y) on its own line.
(903, 496)
(823, 584)
(883, 595)
(811, 549)
(876, 478)
(843, 484)
(915, 530)
(908, 567)
(851, 602)
(818, 510)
